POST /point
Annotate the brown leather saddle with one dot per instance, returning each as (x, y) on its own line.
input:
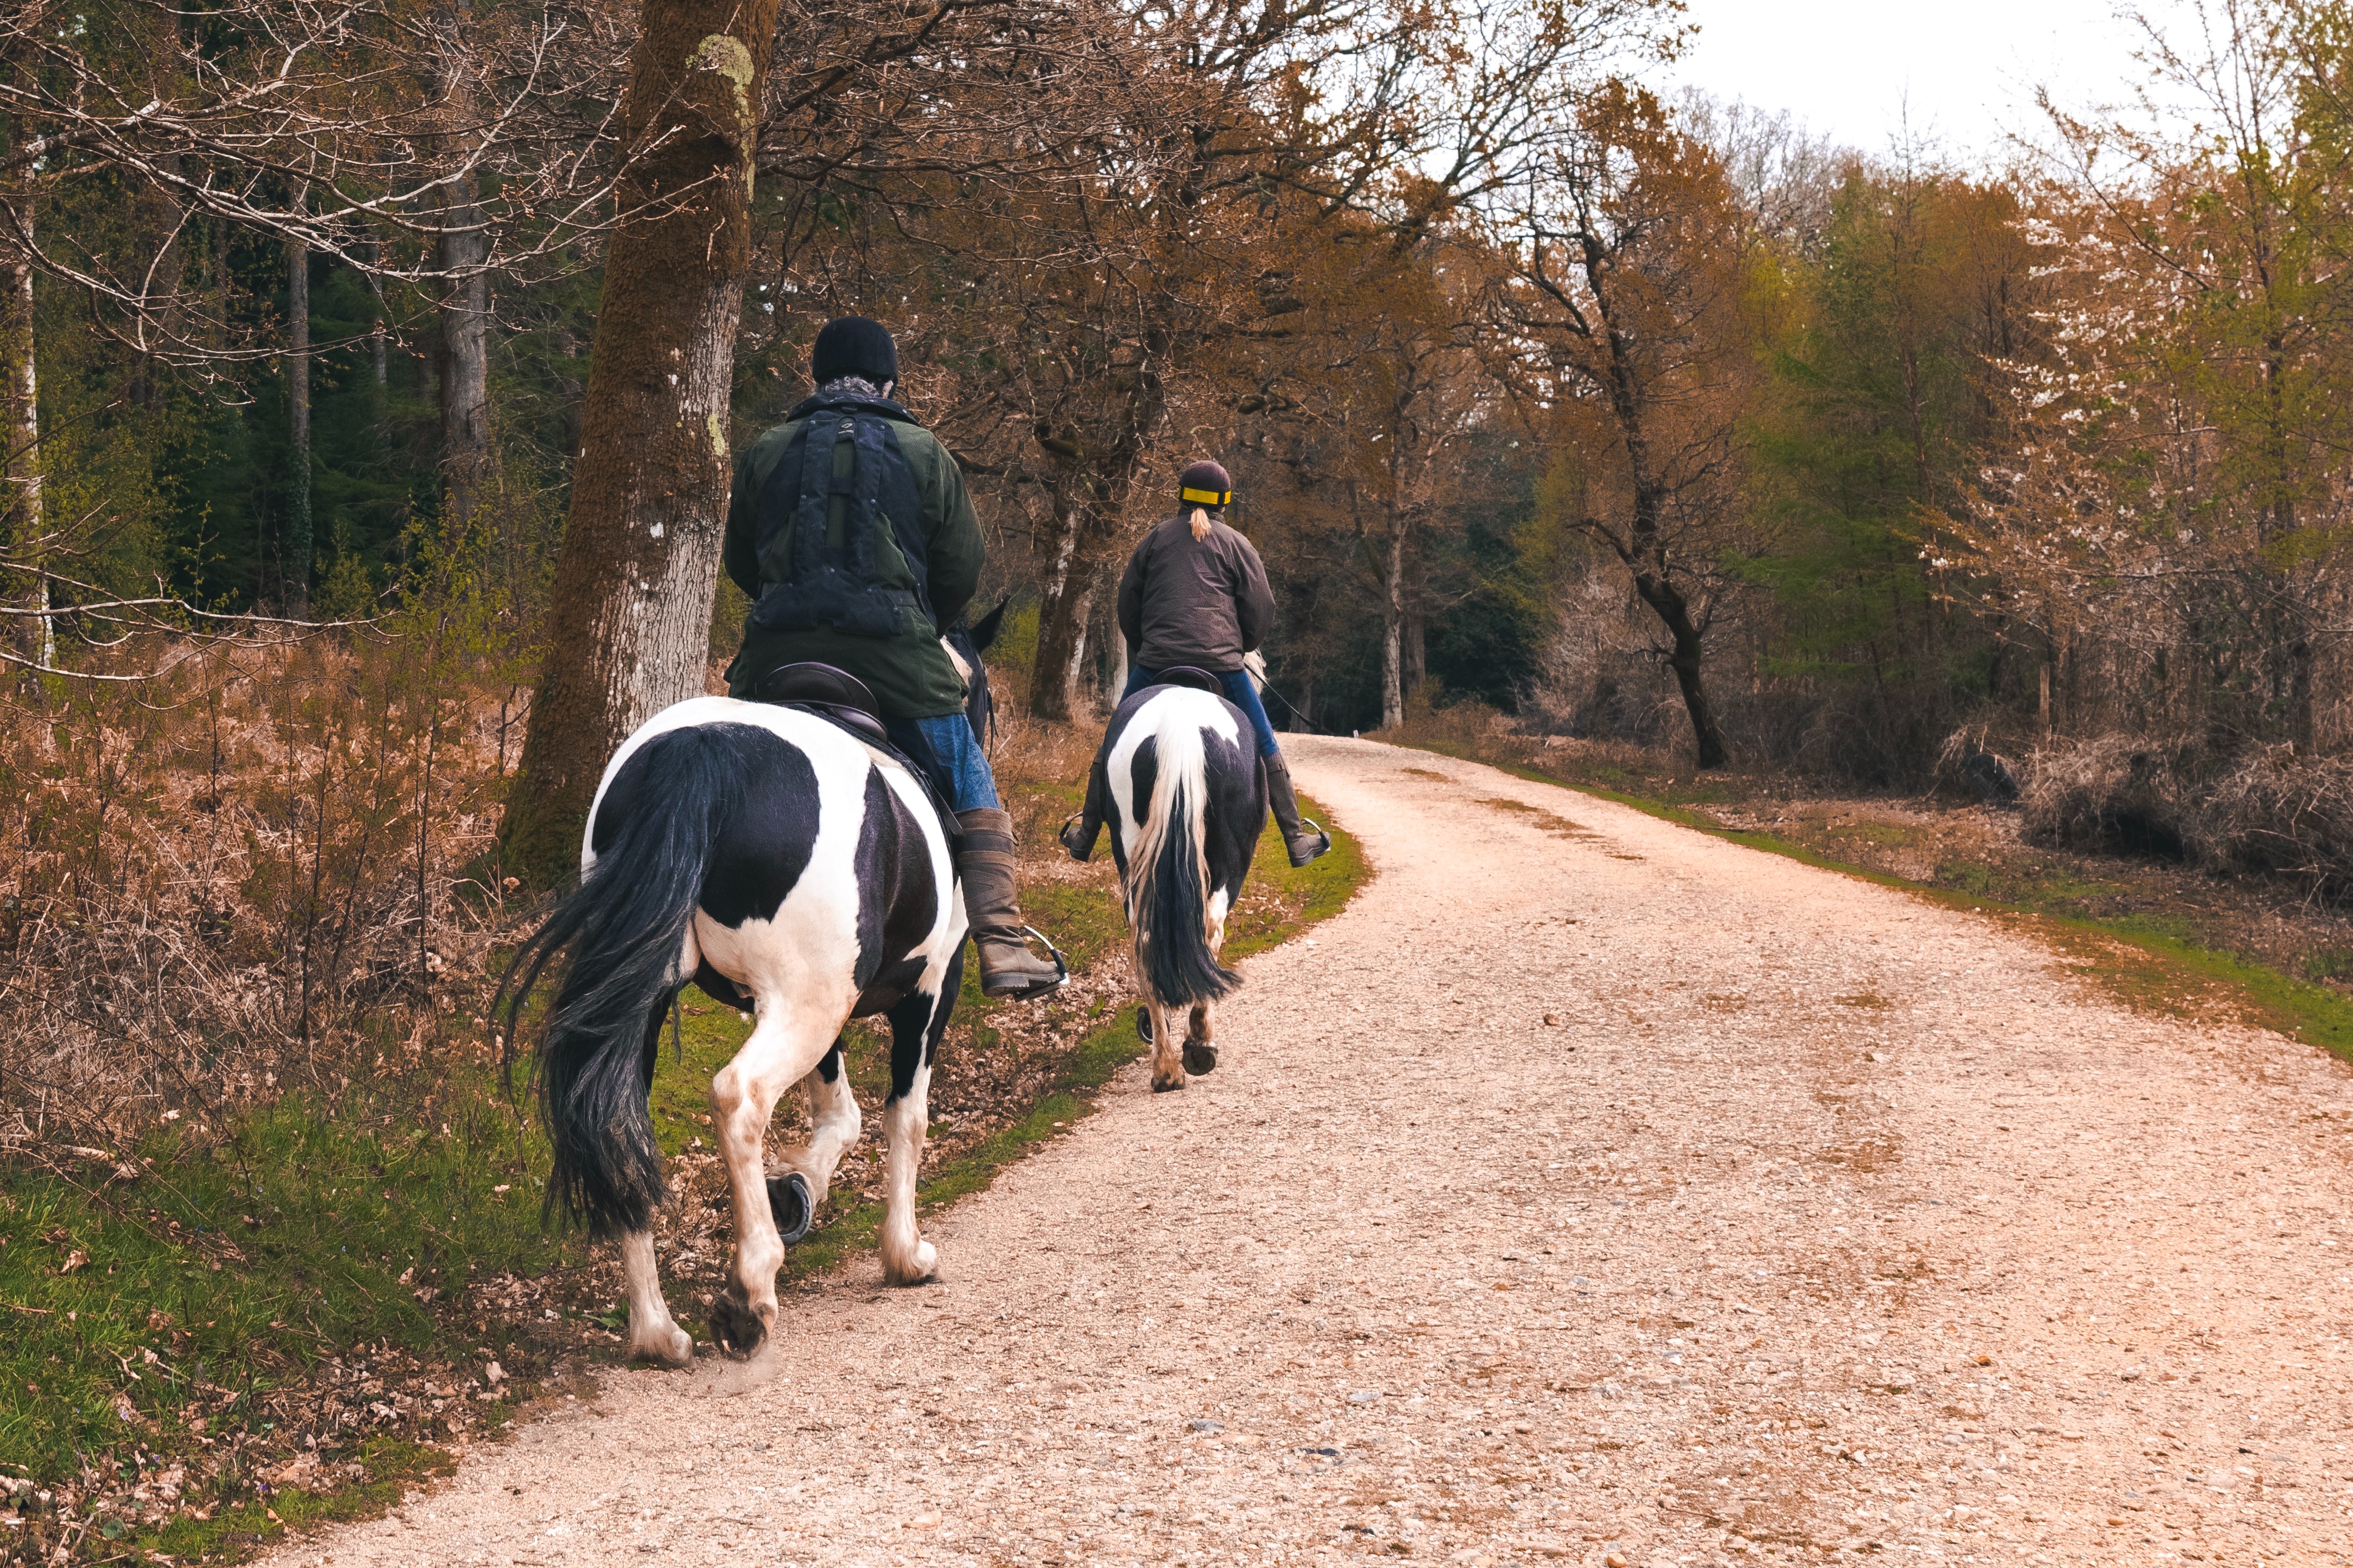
(1186, 675)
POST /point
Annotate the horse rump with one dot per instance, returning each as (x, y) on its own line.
(621, 934)
(1168, 876)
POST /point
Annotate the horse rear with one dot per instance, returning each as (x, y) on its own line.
(785, 867)
(1188, 803)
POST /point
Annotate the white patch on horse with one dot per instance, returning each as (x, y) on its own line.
(654, 1334)
(964, 670)
(1174, 704)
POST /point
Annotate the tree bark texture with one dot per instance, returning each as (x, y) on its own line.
(1081, 560)
(630, 615)
(295, 568)
(20, 425)
(465, 313)
(465, 358)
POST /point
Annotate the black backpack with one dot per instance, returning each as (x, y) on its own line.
(846, 587)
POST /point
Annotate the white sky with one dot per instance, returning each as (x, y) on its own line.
(1968, 68)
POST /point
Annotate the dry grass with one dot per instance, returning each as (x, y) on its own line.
(272, 868)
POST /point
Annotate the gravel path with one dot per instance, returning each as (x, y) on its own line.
(1821, 1222)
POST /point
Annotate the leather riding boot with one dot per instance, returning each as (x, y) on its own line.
(1304, 838)
(985, 867)
(1079, 833)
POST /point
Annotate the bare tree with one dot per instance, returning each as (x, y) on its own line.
(1627, 255)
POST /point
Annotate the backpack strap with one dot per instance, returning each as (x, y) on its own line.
(886, 485)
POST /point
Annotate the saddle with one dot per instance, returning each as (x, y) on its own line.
(834, 695)
(846, 702)
(1186, 675)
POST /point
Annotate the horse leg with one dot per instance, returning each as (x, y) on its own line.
(916, 1026)
(1166, 1073)
(1200, 1026)
(1200, 1047)
(834, 1125)
(786, 1043)
(654, 1334)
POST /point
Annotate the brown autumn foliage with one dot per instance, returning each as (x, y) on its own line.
(271, 867)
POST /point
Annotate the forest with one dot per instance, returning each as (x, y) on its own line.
(372, 373)
(1660, 420)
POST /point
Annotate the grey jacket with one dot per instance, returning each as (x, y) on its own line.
(1203, 602)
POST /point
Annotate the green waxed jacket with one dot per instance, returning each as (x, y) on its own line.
(911, 674)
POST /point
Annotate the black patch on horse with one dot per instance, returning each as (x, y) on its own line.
(1236, 808)
(764, 842)
(1143, 770)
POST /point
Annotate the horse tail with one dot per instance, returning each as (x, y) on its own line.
(625, 929)
(1169, 877)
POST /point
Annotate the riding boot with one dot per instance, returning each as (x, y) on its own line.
(985, 867)
(1304, 838)
(1078, 834)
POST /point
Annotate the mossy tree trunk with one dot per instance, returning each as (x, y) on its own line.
(628, 619)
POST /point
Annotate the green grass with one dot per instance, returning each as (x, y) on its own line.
(165, 1314)
(242, 1261)
(2153, 963)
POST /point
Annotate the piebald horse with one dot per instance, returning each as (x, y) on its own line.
(783, 865)
(1186, 803)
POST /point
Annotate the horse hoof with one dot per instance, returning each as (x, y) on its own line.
(1160, 1085)
(671, 1347)
(1143, 1024)
(735, 1328)
(921, 1267)
(789, 1206)
(1199, 1059)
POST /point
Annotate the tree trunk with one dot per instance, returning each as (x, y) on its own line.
(465, 306)
(1674, 613)
(1416, 651)
(629, 617)
(1069, 595)
(20, 429)
(1061, 645)
(295, 569)
(371, 256)
(1393, 631)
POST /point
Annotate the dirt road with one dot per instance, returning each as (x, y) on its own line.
(1822, 1223)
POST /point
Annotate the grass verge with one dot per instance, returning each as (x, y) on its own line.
(2152, 963)
(232, 1331)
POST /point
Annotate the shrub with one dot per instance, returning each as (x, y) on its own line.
(2278, 812)
(2111, 795)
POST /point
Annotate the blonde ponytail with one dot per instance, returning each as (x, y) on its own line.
(1200, 524)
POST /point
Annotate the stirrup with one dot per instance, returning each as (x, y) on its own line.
(1063, 837)
(1061, 971)
(1062, 964)
(1322, 846)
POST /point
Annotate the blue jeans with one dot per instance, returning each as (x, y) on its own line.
(944, 748)
(1240, 690)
